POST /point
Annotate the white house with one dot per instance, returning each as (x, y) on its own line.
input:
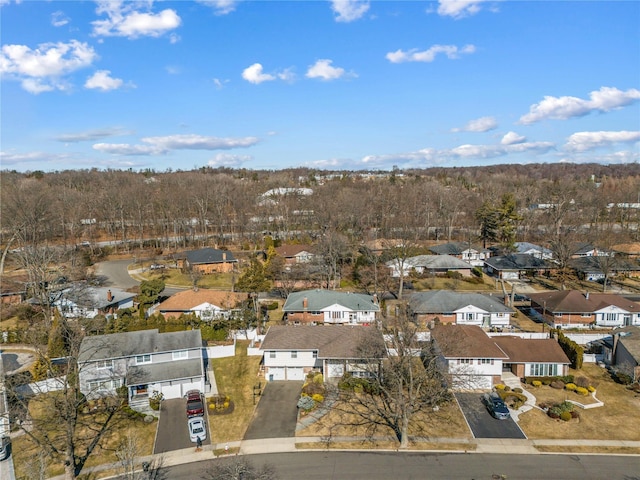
(428, 264)
(460, 308)
(534, 250)
(290, 352)
(330, 307)
(88, 302)
(205, 304)
(144, 361)
(464, 251)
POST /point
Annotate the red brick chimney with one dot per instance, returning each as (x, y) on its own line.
(109, 296)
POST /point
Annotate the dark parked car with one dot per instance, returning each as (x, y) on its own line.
(496, 406)
(195, 404)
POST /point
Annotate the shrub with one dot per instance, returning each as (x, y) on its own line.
(318, 398)
(517, 390)
(582, 382)
(318, 378)
(155, 400)
(536, 383)
(477, 271)
(582, 391)
(591, 389)
(500, 386)
(565, 416)
(507, 388)
(571, 386)
(306, 403)
(559, 384)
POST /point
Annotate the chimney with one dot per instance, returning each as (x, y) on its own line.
(305, 303)
(109, 296)
(586, 295)
(224, 256)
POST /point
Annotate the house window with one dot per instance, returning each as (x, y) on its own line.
(272, 354)
(105, 384)
(544, 369)
(104, 364)
(559, 315)
(611, 317)
(314, 354)
(140, 359)
(485, 361)
(336, 315)
(180, 355)
(466, 361)
(470, 317)
(294, 354)
(500, 315)
(586, 315)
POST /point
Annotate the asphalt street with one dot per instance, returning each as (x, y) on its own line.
(327, 465)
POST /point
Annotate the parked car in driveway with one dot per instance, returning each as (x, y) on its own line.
(197, 429)
(195, 403)
(496, 406)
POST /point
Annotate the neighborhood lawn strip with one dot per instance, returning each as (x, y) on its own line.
(25, 450)
(235, 377)
(616, 420)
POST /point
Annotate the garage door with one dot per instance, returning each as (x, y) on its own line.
(171, 391)
(276, 373)
(295, 373)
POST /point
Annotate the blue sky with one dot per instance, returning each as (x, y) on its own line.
(324, 84)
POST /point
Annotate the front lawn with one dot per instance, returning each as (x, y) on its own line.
(235, 377)
(616, 420)
(174, 276)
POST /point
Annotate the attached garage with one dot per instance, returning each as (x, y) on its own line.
(295, 373)
(276, 373)
(171, 391)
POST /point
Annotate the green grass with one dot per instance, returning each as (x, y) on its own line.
(235, 377)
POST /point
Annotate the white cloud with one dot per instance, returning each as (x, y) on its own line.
(511, 138)
(563, 108)
(174, 38)
(482, 124)
(324, 70)
(7, 158)
(199, 142)
(414, 55)
(582, 141)
(101, 80)
(459, 8)
(349, 10)
(92, 135)
(163, 145)
(221, 7)
(40, 70)
(254, 74)
(228, 160)
(59, 19)
(123, 20)
(172, 69)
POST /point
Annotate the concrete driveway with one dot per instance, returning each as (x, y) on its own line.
(173, 433)
(482, 424)
(277, 411)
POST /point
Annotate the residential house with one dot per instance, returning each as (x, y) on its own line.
(476, 360)
(533, 250)
(465, 251)
(574, 309)
(429, 265)
(459, 308)
(585, 249)
(533, 357)
(205, 304)
(295, 254)
(596, 268)
(87, 301)
(517, 265)
(290, 352)
(144, 361)
(330, 307)
(469, 356)
(629, 250)
(622, 351)
(207, 260)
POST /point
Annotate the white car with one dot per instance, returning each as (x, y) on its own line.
(197, 428)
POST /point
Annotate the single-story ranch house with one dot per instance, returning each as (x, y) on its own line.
(207, 260)
(471, 254)
(205, 304)
(330, 307)
(515, 266)
(477, 361)
(144, 361)
(460, 308)
(574, 309)
(429, 264)
(290, 352)
(88, 302)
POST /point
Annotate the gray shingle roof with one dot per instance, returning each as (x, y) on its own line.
(339, 342)
(455, 248)
(522, 247)
(445, 301)
(164, 372)
(127, 344)
(321, 299)
(433, 261)
(518, 261)
(96, 297)
(209, 255)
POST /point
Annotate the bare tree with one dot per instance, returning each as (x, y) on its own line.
(127, 453)
(390, 392)
(239, 469)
